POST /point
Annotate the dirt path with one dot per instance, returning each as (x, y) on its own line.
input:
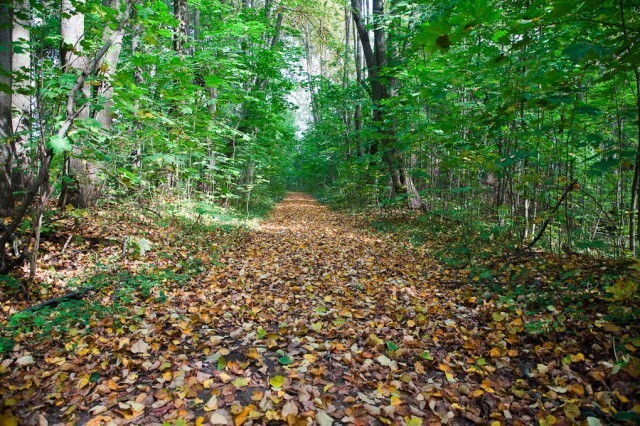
(308, 320)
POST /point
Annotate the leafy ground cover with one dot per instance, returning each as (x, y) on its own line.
(310, 318)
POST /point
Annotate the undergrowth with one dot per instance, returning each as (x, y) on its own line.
(123, 256)
(496, 268)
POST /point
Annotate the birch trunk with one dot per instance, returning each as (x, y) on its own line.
(6, 156)
(22, 86)
(84, 187)
(109, 65)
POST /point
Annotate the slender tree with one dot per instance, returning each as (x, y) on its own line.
(6, 154)
(375, 55)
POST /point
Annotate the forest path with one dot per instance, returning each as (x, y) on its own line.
(308, 319)
(356, 324)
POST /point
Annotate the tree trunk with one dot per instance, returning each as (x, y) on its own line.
(6, 155)
(181, 13)
(196, 24)
(376, 59)
(635, 186)
(83, 186)
(22, 86)
(109, 65)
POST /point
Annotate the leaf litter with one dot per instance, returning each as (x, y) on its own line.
(310, 319)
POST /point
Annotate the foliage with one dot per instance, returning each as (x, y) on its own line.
(498, 107)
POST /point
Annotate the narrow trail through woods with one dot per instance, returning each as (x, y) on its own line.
(308, 319)
(361, 316)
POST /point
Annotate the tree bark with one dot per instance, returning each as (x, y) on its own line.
(376, 59)
(6, 155)
(109, 64)
(181, 13)
(22, 87)
(83, 187)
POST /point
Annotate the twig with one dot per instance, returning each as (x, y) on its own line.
(567, 190)
(66, 244)
(125, 243)
(73, 295)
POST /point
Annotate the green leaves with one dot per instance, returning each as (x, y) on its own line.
(285, 360)
(59, 144)
(213, 81)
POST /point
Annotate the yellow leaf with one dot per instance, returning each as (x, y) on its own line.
(240, 382)
(84, 381)
(276, 381)
(497, 316)
(413, 421)
(8, 420)
(571, 411)
(444, 367)
(310, 357)
(548, 421)
(253, 353)
(476, 393)
(242, 417)
(374, 341)
(577, 357)
(576, 389)
(620, 397)
(136, 407)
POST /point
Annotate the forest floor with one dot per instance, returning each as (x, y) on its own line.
(307, 319)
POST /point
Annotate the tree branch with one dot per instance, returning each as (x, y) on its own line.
(356, 12)
(567, 190)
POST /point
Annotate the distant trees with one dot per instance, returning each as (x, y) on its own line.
(487, 112)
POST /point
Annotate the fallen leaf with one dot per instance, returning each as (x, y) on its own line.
(25, 360)
(323, 419)
(140, 347)
(276, 381)
(221, 417)
(212, 404)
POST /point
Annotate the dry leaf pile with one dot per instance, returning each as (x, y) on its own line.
(310, 320)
